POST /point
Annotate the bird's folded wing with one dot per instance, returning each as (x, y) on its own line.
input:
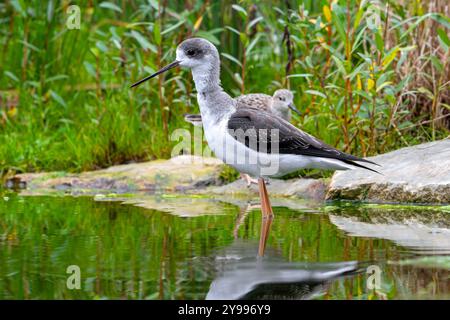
(259, 126)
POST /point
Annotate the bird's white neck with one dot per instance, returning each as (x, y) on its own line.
(213, 101)
(207, 77)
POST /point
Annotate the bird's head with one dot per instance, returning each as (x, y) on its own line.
(283, 100)
(193, 53)
(196, 52)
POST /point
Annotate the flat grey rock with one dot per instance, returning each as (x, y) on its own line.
(178, 173)
(418, 174)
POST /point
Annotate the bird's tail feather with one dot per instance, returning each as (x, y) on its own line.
(353, 163)
(368, 161)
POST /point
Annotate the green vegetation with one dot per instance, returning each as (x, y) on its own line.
(364, 85)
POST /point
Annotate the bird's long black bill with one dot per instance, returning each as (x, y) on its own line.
(168, 67)
(294, 108)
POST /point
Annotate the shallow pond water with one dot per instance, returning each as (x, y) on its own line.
(128, 251)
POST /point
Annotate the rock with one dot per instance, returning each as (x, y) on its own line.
(300, 188)
(418, 174)
(181, 174)
(178, 173)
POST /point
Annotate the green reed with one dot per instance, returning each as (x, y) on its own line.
(364, 85)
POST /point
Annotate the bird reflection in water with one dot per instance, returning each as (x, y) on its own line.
(247, 270)
(266, 223)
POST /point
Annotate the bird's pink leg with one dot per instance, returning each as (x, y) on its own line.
(267, 216)
(249, 180)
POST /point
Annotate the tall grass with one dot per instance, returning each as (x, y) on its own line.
(365, 85)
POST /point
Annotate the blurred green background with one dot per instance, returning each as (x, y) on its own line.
(368, 76)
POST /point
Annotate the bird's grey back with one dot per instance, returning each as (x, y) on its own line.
(256, 100)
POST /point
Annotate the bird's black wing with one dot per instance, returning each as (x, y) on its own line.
(258, 130)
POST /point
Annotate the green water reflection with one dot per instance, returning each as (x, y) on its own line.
(130, 252)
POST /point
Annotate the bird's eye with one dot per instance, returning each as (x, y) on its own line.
(190, 52)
